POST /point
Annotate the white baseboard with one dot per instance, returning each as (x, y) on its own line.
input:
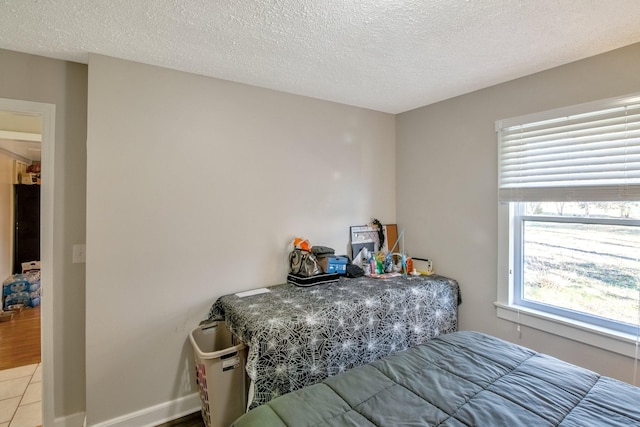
(155, 415)
(74, 420)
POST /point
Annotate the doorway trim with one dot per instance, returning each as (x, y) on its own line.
(48, 114)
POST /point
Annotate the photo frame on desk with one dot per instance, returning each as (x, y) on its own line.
(362, 236)
(366, 236)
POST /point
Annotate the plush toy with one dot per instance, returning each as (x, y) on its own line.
(302, 244)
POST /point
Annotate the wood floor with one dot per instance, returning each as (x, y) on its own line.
(20, 345)
(20, 339)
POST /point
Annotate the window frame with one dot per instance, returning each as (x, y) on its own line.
(506, 309)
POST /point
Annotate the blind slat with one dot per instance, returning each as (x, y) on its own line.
(569, 194)
(624, 124)
(561, 140)
(604, 161)
(589, 152)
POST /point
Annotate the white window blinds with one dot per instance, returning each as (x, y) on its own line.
(589, 152)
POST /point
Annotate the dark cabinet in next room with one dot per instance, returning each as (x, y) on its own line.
(26, 243)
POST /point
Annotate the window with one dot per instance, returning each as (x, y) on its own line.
(570, 180)
(579, 260)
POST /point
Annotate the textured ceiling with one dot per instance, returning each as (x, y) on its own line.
(386, 55)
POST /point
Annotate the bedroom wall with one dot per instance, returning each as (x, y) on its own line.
(447, 187)
(39, 79)
(6, 215)
(196, 187)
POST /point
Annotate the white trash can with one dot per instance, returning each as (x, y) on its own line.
(220, 360)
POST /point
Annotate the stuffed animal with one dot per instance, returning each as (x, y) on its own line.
(303, 244)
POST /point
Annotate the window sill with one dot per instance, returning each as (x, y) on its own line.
(606, 339)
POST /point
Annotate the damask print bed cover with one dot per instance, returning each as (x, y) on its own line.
(460, 379)
(300, 336)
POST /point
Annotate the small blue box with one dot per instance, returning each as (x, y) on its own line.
(336, 264)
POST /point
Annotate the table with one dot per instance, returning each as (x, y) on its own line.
(300, 336)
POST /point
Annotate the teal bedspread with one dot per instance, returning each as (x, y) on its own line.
(459, 379)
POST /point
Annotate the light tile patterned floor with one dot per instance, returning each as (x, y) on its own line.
(21, 396)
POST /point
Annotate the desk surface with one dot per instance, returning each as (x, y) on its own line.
(299, 336)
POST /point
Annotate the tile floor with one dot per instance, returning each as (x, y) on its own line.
(21, 396)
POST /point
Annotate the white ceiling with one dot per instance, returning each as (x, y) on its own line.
(26, 151)
(385, 55)
(20, 136)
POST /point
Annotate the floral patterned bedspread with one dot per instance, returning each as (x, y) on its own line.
(299, 336)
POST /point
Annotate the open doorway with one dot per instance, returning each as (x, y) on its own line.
(20, 325)
(46, 112)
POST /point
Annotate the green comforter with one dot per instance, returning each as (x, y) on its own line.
(459, 379)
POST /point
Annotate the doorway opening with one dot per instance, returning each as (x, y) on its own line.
(32, 318)
(20, 343)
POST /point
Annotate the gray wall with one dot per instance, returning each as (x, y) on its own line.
(447, 187)
(38, 79)
(196, 188)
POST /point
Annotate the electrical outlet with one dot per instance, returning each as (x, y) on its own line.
(79, 254)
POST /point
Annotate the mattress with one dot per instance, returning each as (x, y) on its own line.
(459, 379)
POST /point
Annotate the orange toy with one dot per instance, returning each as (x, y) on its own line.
(303, 244)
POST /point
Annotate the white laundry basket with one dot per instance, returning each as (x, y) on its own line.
(220, 360)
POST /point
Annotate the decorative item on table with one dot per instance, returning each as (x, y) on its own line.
(372, 251)
(397, 268)
(401, 257)
(408, 264)
(389, 269)
(379, 262)
(374, 237)
(423, 266)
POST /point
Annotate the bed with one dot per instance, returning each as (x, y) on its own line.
(459, 379)
(299, 336)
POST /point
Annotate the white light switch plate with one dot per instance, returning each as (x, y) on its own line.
(79, 254)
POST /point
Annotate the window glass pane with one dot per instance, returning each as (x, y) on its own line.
(589, 268)
(624, 210)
